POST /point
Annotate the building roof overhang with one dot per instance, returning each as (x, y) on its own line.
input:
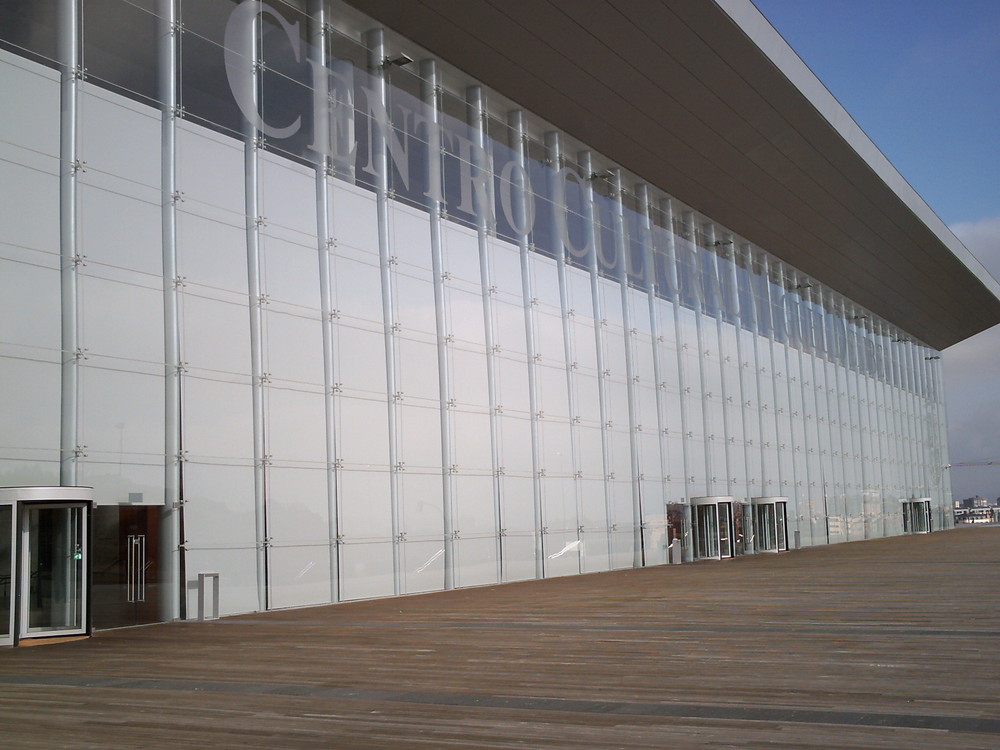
(705, 100)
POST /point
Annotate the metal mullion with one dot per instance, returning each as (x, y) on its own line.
(797, 459)
(324, 242)
(755, 330)
(253, 221)
(375, 42)
(837, 405)
(864, 445)
(699, 308)
(429, 95)
(719, 323)
(69, 165)
(586, 163)
(666, 206)
(518, 135)
(553, 145)
(656, 338)
(172, 591)
(622, 250)
(774, 380)
(476, 115)
(819, 437)
(741, 376)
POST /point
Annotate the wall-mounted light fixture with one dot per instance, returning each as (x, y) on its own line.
(934, 357)
(399, 60)
(803, 286)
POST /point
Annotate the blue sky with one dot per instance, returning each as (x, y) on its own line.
(922, 79)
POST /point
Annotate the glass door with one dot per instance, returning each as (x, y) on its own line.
(125, 581)
(725, 513)
(766, 532)
(706, 530)
(53, 570)
(6, 569)
(781, 526)
(916, 516)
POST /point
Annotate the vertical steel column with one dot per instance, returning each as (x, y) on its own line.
(916, 440)
(483, 203)
(897, 411)
(699, 309)
(254, 222)
(171, 590)
(656, 337)
(324, 245)
(667, 207)
(593, 228)
(920, 416)
(719, 323)
(836, 408)
(836, 468)
(788, 284)
(771, 304)
(521, 194)
(623, 252)
(794, 283)
(760, 260)
(869, 365)
(778, 271)
(429, 95)
(892, 418)
(739, 312)
(815, 340)
(764, 299)
(765, 479)
(947, 516)
(884, 410)
(553, 149)
(864, 447)
(846, 400)
(375, 41)
(69, 165)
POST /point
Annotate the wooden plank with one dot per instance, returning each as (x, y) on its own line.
(877, 644)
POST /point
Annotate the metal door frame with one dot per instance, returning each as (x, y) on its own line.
(19, 499)
(772, 531)
(8, 640)
(714, 501)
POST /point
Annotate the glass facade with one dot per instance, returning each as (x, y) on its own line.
(362, 332)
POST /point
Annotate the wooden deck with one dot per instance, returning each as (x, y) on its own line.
(892, 643)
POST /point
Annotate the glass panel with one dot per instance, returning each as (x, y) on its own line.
(6, 564)
(125, 569)
(120, 43)
(781, 523)
(55, 564)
